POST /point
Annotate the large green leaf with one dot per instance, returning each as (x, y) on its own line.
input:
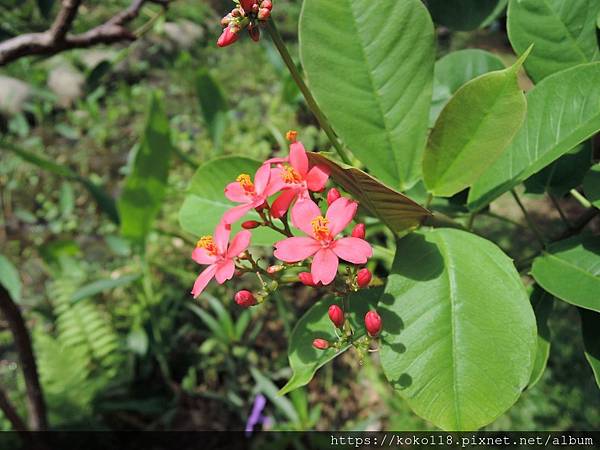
(9, 278)
(146, 184)
(562, 111)
(591, 185)
(542, 303)
(459, 334)
(563, 33)
(205, 203)
(304, 358)
(454, 70)
(370, 67)
(464, 15)
(570, 270)
(213, 105)
(590, 329)
(394, 209)
(473, 130)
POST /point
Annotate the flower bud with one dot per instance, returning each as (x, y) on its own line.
(250, 224)
(332, 196)
(363, 277)
(306, 279)
(266, 4)
(228, 37)
(245, 299)
(255, 8)
(226, 20)
(320, 344)
(291, 136)
(254, 33)
(236, 12)
(373, 323)
(275, 268)
(359, 231)
(264, 14)
(247, 4)
(336, 315)
(262, 206)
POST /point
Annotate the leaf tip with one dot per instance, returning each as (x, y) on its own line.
(516, 66)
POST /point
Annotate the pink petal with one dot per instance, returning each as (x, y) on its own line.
(298, 158)
(303, 212)
(239, 243)
(201, 256)
(225, 271)
(236, 213)
(324, 266)
(317, 178)
(261, 178)
(296, 249)
(281, 205)
(277, 160)
(352, 249)
(203, 279)
(221, 237)
(276, 183)
(340, 213)
(236, 193)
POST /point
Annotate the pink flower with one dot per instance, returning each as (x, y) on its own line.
(250, 195)
(293, 175)
(219, 254)
(321, 240)
(228, 36)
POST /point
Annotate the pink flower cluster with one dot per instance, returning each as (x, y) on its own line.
(296, 186)
(247, 14)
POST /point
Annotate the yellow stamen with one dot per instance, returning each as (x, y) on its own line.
(290, 175)
(320, 228)
(245, 182)
(207, 243)
(291, 136)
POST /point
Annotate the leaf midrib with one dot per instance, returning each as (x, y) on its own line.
(572, 38)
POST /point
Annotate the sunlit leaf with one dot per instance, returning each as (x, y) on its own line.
(542, 303)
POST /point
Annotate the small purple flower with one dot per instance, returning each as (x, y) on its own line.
(256, 416)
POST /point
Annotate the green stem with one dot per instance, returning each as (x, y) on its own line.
(560, 211)
(471, 221)
(310, 100)
(530, 222)
(580, 198)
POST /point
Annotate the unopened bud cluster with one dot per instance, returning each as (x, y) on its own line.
(373, 327)
(247, 14)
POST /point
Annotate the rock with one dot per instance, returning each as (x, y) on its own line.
(184, 34)
(67, 84)
(14, 94)
(92, 57)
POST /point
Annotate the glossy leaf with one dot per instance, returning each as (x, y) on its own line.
(464, 15)
(591, 185)
(213, 105)
(542, 304)
(590, 329)
(304, 359)
(372, 74)
(145, 186)
(570, 270)
(562, 111)
(394, 209)
(205, 202)
(459, 334)
(563, 33)
(454, 70)
(473, 130)
(9, 278)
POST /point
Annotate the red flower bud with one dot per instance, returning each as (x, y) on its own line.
(236, 12)
(306, 279)
(266, 4)
(336, 315)
(262, 206)
(228, 37)
(247, 4)
(332, 196)
(373, 323)
(264, 14)
(250, 224)
(320, 344)
(254, 33)
(226, 20)
(363, 277)
(359, 231)
(275, 269)
(245, 299)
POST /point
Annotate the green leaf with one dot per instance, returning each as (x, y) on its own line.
(459, 333)
(464, 15)
(473, 130)
(564, 174)
(304, 358)
(454, 70)
(394, 209)
(98, 286)
(213, 105)
(9, 278)
(146, 184)
(267, 387)
(590, 329)
(205, 203)
(570, 270)
(370, 66)
(542, 303)
(562, 112)
(591, 185)
(563, 33)
(45, 7)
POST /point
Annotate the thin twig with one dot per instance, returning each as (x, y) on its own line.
(530, 222)
(560, 211)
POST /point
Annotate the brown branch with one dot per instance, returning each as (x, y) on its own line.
(35, 398)
(11, 413)
(57, 38)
